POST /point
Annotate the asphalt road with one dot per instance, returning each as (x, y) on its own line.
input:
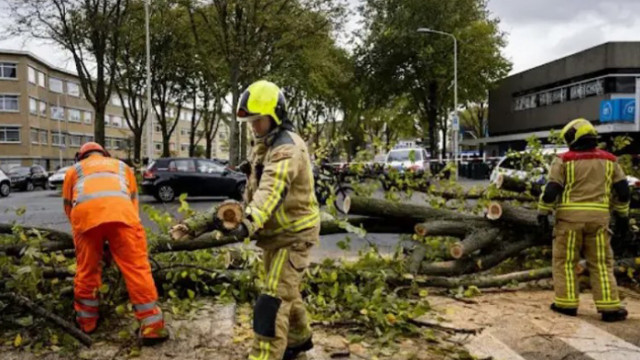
(44, 209)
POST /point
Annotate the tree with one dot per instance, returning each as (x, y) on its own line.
(89, 30)
(398, 61)
(472, 120)
(254, 38)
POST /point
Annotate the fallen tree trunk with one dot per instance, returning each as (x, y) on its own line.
(508, 213)
(387, 209)
(449, 227)
(476, 241)
(508, 183)
(68, 327)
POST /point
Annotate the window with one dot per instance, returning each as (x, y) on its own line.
(44, 135)
(75, 115)
(75, 140)
(208, 167)
(32, 75)
(182, 166)
(158, 146)
(87, 117)
(42, 79)
(185, 131)
(58, 139)
(115, 121)
(9, 103)
(33, 106)
(73, 89)
(43, 108)
(184, 147)
(57, 112)
(157, 128)
(55, 85)
(88, 138)
(35, 136)
(115, 101)
(8, 71)
(9, 134)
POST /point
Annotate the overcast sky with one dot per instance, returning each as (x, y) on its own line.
(538, 31)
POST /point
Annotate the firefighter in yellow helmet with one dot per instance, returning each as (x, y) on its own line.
(584, 184)
(282, 212)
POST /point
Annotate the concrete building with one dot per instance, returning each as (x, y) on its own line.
(44, 118)
(533, 102)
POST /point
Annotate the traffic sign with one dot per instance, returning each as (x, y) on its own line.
(455, 123)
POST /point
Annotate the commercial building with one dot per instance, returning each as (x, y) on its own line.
(45, 118)
(534, 102)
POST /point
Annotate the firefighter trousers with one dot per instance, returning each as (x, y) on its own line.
(593, 241)
(280, 317)
(128, 246)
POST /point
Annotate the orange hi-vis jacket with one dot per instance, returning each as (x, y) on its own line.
(100, 190)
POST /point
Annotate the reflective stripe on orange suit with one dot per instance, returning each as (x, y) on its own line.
(100, 199)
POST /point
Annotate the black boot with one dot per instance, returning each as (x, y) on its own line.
(617, 315)
(564, 311)
(292, 352)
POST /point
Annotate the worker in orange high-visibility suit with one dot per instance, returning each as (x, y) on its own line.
(101, 201)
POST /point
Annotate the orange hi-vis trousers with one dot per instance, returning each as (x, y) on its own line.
(128, 246)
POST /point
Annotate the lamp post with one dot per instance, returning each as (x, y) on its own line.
(456, 123)
(149, 104)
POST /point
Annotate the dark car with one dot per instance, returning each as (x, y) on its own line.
(28, 178)
(169, 177)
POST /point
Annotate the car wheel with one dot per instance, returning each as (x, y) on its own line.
(29, 186)
(239, 194)
(166, 193)
(5, 189)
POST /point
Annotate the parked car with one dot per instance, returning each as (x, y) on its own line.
(167, 178)
(27, 178)
(57, 178)
(5, 184)
(413, 159)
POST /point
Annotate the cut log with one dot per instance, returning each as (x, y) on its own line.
(508, 183)
(486, 281)
(475, 241)
(478, 263)
(511, 214)
(230, 213)
(449, 228)
(68, 327)
(389, 209)
(226, 215)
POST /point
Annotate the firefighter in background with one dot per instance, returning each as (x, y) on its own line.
(101, 201)
(283, 213)
(584, 184)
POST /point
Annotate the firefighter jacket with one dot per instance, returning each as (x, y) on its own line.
(100, 190)
(585, 180)
(280, 195)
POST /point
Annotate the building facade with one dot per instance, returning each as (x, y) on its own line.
(547, 97)
(45, 118)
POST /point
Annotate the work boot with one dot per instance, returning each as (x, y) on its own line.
(616, 315)
(292, 352)
(564, 311)
(153, 334)
(87, 324)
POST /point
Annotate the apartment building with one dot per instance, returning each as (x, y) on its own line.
(45, 118)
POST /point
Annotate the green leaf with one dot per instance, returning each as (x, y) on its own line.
(17, 341)
(191, 294)
(120, 310)
(173, 294)
(104, 289)
(25, 321)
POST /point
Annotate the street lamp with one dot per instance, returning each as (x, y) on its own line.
(149, 105)
(456, 124)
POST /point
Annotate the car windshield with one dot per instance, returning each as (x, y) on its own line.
(404, 155)
(19, 171)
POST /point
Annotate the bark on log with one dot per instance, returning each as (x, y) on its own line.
(449, 195)
(486, 281)
(68, 327)
(508, 183)
(229, 211)
(475, 241)
(388, 209)
(450, 228)
(50, 234)
(478, 263)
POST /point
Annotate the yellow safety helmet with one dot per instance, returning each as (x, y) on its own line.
(578, 129)
(262, 98)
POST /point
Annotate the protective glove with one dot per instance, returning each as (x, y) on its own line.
(621, 226)
(245, 167)
(240, 232)
(543, 222)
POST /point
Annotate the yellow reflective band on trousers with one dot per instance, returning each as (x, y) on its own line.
(264, 351)
(568, 266)
(273, 277)
(602, 265)
(584, 206)
(569, 182)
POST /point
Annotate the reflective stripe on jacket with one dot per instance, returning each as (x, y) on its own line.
(99, 190)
